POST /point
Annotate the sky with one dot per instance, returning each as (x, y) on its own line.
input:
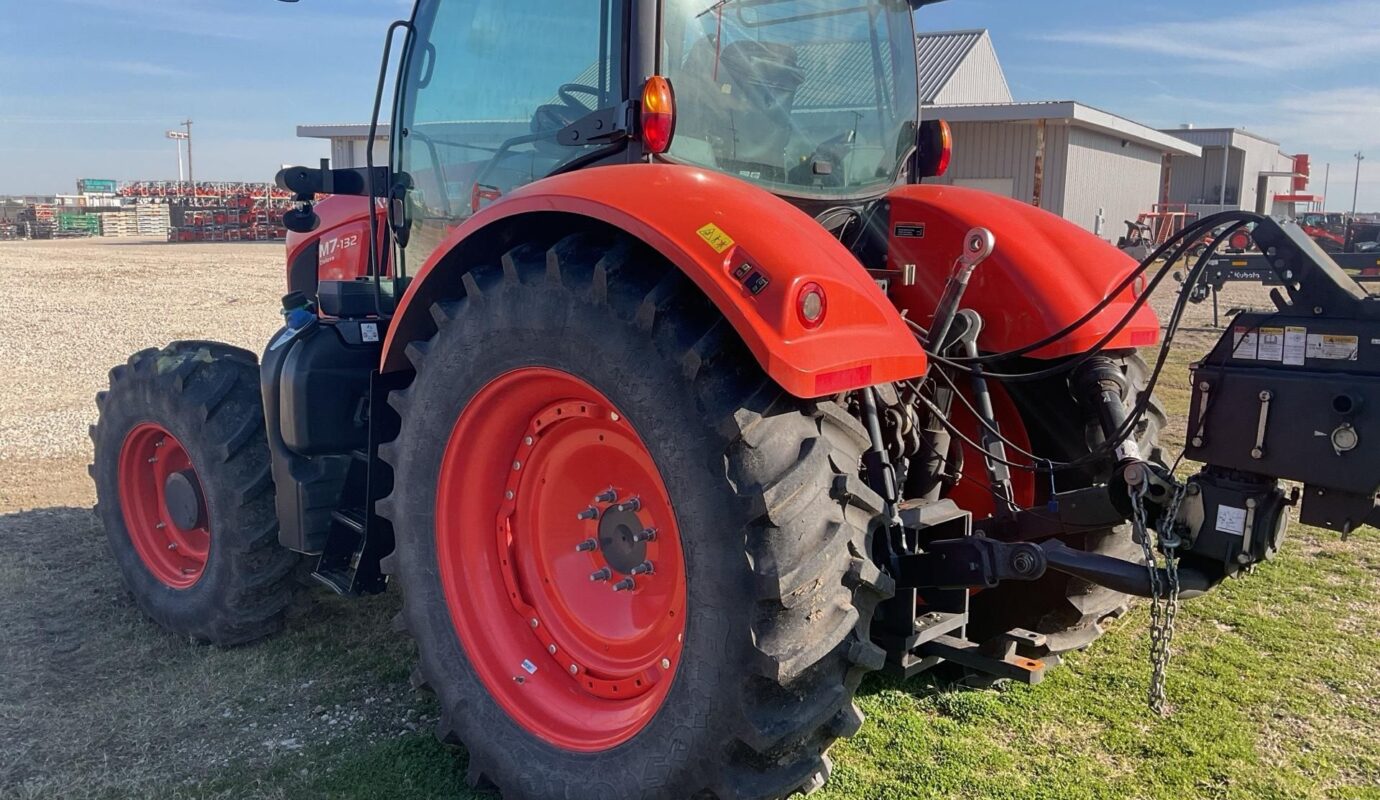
(89, 87)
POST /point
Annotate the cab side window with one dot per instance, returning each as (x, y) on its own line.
(489, 84)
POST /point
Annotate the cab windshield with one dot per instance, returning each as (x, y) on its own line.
(803, 97)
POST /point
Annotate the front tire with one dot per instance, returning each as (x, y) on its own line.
(185, 494)
(762, 538)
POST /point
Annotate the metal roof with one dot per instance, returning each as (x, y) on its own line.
(340, 131)
(941, 54)
(1067, 112)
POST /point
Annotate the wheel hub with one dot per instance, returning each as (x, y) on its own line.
(619, 541)
(582, 583)
(183, 501)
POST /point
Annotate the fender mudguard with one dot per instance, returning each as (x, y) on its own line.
(1044, 275)
(749, 252)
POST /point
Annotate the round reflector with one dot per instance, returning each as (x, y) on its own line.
(811, 305)
(658, 114)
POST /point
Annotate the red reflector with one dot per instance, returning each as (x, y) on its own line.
(658, 114)
(841, 380)
(1144, 338)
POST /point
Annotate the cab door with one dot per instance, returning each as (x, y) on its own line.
(486, 87)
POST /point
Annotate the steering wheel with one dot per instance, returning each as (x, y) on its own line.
(568, 91)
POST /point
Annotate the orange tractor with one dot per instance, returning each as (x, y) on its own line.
(675, 395)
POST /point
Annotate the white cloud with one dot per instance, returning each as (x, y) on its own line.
(1252, 41)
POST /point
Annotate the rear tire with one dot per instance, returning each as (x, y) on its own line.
(223, 579)
(773, 527)
(1071, 612)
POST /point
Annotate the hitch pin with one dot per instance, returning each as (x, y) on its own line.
(977, 246)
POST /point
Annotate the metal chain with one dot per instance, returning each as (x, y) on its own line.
(1164, 600)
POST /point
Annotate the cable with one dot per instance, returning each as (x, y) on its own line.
(1143, 401)
(1187, 234)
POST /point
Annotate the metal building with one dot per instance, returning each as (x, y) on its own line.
(1238, 170)
(348, 143)
(1091, 167)
(960, 67)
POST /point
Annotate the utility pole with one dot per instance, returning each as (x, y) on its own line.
(1356, 193)
(1327, 178)
(190, 179)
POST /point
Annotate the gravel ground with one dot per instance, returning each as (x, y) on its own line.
(94, 700)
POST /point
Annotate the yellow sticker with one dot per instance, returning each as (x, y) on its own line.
(716, 238)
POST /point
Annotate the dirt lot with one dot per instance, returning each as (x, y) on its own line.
(1276, 682)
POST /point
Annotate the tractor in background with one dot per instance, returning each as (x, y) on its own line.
(662, 374)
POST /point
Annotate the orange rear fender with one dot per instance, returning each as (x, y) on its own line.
(747, 250)
(1044, 275)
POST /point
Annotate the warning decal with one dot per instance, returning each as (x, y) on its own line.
(716, 238)
(1247, 343)
(1333, 347)
(1295, 346)
(1271, 347)
(1231, 520)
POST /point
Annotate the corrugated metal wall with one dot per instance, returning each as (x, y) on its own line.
(1084, 170)
(984, 150)
(1101, 174)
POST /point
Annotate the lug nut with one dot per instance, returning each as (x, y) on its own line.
(172, 545)
(625, 585)
(551, 648)
(153, 460)
(160, 525)
(586, 546)
(534, 622)
(588, 513)
(665, 663)
(631, 504)
(574, 670)
(606, 496)
(645, 535)
(645, 568)
(527, 440)
(601, 575)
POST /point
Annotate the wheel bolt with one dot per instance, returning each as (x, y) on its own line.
(645, 535)
(527, 440)
(586, 546)
(517, 465)
(153, 460)
(606, 496)
(574, 670)
(160, 525)
(665, 663)
(601, 575)
(625, 585)
(551, 648)
(645, 568)
(588, 513)
(631, 504)
(172, 545)
(534, 622)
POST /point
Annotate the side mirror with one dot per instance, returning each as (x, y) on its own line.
(934, 147)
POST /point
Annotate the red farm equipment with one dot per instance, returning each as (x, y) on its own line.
(674, 405)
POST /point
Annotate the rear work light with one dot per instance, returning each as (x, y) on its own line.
(811, 305)
(658, 114)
